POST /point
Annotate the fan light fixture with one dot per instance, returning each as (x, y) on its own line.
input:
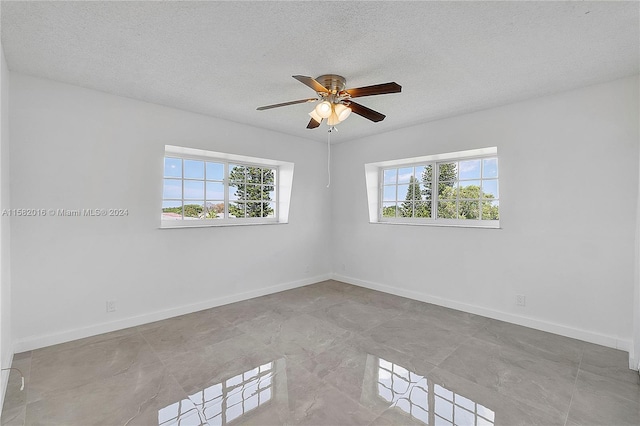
(334, 112)
(324, 109)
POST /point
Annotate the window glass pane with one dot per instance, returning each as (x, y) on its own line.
(447, 172)
(426, 191)
(255, 209)
(270, 210)
(215, 210)
(236, 209)
(254, 174)
(193, 210)
(193, 189)
(469, 210)
(215, 191)
(447, 190)
(470, 169)
(172, 167)
(406, 209)
(250, 192)
(236, 173)
(490, 210)
(402, 191)
(422, 209)
(268, 176)
(194, 169)
(419, 172)
(269, 194)
(172, 188)
(469, 189)
(390, 176)
(215, 171)
(171, 210)
(389, 210)
(490, 188)
(447, 210)
(404, 174)
(233, 192)
(427, 174)
(389, 193)
(490, 167)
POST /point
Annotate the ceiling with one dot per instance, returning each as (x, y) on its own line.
(224, 59)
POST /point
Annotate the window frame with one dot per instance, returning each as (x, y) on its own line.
(376, 171)
(280, 208)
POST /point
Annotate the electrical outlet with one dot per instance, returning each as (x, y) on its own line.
(111, 305)
(521, 300)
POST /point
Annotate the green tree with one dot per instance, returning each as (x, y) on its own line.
(413, 206)
(253, 186)
(468, 206)
(192, 210)
(389, 211)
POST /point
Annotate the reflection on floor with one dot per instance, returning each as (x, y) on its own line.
(325, 354)
(414, 394)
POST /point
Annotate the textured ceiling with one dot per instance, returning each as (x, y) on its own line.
(226, 58)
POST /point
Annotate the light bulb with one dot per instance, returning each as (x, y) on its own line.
(313, 114)
(333, 119)
(342, 111)
(323, 109)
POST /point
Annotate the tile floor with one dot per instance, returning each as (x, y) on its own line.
(325, 354)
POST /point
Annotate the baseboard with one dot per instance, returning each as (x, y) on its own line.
(563, 330)
(37, 342)
(7, 360)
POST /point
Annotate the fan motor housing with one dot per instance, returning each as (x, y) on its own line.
(332, 82)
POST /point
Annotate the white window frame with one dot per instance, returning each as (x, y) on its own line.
(282, 187)
(374, 175)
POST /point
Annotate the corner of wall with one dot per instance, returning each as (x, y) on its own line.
(6, 339)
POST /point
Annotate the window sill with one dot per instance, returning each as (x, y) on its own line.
(439, 224)
(218, 225)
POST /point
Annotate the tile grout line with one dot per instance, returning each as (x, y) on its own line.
(573, 391)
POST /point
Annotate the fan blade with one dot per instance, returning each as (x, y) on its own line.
(365, 112)
(311, 82)
(312, 124)
(376, 89)
(301, 101)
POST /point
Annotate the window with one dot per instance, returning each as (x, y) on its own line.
(205, 190)
(447, 189)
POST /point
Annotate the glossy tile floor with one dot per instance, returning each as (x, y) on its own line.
(325, 354)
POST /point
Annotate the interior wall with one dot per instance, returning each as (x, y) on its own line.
(568, 167)
(75, 148)
(634, 357)
(6, 343)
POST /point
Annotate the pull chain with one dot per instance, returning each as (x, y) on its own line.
(329, 155)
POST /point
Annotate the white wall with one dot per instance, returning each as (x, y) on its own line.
(568, 185)
(6, 343)
(77, 148)
(634, 355)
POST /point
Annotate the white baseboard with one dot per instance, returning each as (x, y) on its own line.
(634, 364)
(7, 360)
(563, 330)
(37, 342)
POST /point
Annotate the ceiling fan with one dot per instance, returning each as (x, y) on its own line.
(335, 101)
